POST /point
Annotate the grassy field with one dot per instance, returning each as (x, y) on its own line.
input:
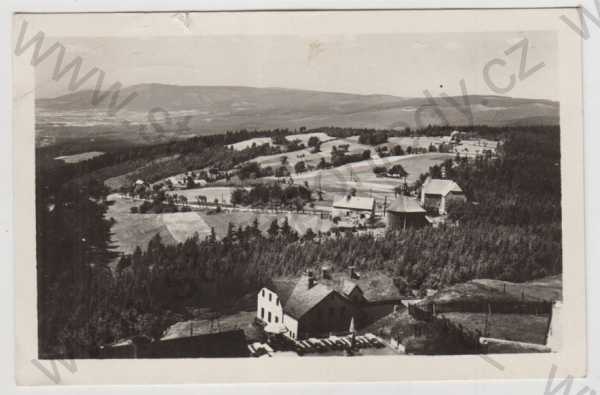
(126, 179)
(307, 156)
(359, 175)
(465, 148)
(547, 288)
(223, 194)
(304, 137)
(485, 290)
(132, 230)
(79, 157)
(527, 328)
(239, 146)
(470, 291)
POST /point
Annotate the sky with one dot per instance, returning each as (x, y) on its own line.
(400, 64)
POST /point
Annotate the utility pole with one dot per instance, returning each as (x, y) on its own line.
(320, 190)
(384, 205)
(487, 321)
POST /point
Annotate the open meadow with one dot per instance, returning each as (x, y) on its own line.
(307, 156)
(250, 142)
(222, 194)
(132, 230)
(79, 157)
(360, 176)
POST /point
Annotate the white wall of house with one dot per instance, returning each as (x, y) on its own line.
(292, 325)
(269, 309)
(268, 306)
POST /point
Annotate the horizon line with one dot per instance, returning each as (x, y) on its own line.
(294, 89)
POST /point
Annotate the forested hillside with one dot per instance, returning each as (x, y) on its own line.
(510, 230)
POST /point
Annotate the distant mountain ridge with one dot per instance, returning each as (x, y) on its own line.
(215, 109)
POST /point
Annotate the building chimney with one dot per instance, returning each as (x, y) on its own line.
(311, 279)
(326, 272)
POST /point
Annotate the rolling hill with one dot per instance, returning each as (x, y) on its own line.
(215, 109)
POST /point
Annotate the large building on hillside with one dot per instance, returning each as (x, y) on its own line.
(436, 193)
(314, 307)
(405, 212)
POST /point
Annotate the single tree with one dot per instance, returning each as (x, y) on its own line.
(313, 141)
(273, 229)
(300, 167)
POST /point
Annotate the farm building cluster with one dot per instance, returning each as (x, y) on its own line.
(404, 211)
(348, 212)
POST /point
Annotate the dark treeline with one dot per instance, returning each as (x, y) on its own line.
(520, 187)
(373, 138)
(121, 160)
(378, 136)
(273, 195)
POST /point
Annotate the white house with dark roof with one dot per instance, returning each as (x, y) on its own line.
(436, 193)
(347, 206)
(309, 307)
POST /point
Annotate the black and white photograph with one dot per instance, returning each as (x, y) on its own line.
(294, 195)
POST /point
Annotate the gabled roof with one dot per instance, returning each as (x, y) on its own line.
(404, 204)
(283, 289)
(440, 187)
(303, 299)
(348, 287)
(354, 203)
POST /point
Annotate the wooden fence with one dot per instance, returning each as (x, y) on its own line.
(518, 307)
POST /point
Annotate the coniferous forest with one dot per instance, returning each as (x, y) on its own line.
(510, 229)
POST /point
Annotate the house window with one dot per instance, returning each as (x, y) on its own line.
(262, 313)
(269, 319)
(270, 295)
(263, 293)
(276, 319)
